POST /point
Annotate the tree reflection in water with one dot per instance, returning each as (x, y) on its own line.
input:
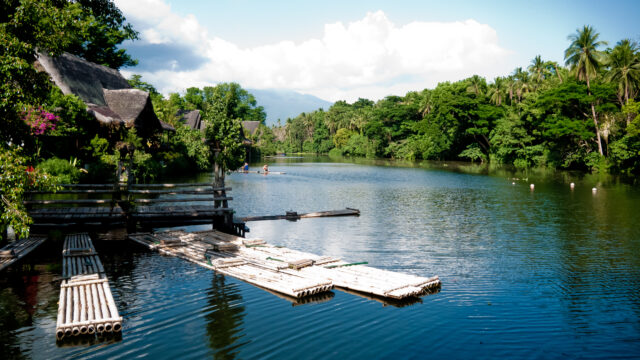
(224, 318)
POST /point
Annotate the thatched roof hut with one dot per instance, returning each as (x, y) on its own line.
(192, 118)
(251, 126)
(107, 94)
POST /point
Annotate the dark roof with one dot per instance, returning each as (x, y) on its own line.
(107, 94)
(192, 118)
(251, 126)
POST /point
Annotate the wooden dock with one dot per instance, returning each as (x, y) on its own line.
(280, 269)
(147, 205)
(86, 305)
(18, 250)
(292, 215)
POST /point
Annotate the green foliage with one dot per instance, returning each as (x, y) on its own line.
(63, 170)
(16, 177)
(473, 153)
(341, 137)
(190, 143)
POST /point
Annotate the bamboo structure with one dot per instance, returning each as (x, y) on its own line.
(86, 304)
(281, 269)
(201, 250)
(19, 249)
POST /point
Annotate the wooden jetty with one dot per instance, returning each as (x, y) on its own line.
(292, 215)
(19, 249)
(86, 305)
(259, 263)
(147, 205)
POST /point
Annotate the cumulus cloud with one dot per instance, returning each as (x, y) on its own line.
(371, 57)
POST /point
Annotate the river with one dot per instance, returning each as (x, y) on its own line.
(548, 273)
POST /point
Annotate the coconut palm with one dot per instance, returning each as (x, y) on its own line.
(497, 90)
(624, 69)
(585, 60)
(476, 84)
(523, 82)
(552, 67)
(537, 68)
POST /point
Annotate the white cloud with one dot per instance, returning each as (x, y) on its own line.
(371, 57)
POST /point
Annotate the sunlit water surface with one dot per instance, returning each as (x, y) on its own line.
(550, 273)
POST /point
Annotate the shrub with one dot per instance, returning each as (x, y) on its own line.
(64, 171)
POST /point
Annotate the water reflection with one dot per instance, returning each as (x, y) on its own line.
(224, 318)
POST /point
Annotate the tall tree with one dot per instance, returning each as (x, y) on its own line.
(585, 60)
(624, 70)
(537, 68)
(497, 90)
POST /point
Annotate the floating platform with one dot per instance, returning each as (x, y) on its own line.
(280, 269)
(202, 251)
(86, 304)
(19, 249)
(292, 215)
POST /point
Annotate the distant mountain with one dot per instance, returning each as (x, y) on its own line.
(283, 104)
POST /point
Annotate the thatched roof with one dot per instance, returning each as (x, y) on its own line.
(251, 126)
(192, 118)
(107, 94)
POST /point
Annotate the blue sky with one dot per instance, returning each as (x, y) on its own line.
(350, 49)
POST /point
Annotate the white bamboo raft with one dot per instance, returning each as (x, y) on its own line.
(86, 304)
(18, 249)
(235, 256)
(214, 255)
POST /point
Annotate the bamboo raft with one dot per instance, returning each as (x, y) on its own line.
(214, 255)
(244, 258)
(18, 249)
(86, 304)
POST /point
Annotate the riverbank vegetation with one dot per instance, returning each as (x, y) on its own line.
(582, 116)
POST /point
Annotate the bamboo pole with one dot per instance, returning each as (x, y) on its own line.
(98, 312)
(90, 309)
(68, 310)
(83, 309)
(61, 314)
(117, 325)
(104, 308)
(76, 313)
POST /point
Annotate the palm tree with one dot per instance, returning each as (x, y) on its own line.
(624, 69)
(497, 90)
(537, 67)
(523, 83)
(584, 59)
(476, 83)
(552, 67)
(511, 86)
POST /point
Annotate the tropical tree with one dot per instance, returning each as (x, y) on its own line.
(537, 68)
(585, 60)
(497, 90)
(476, 84)
(624, 70)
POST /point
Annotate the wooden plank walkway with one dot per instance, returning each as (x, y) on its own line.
(116, 214)
(18, 250)
(86, 305)
(291, 215)
(235, 256)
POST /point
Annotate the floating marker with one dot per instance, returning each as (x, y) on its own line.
(594, 189)
(513, 183)
(572, 185)
(532, 186)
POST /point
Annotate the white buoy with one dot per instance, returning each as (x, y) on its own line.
(513, 183)
(594, 189)
(572, 185)
(532, 186)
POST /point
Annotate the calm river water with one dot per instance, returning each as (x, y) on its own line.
(552, 273)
